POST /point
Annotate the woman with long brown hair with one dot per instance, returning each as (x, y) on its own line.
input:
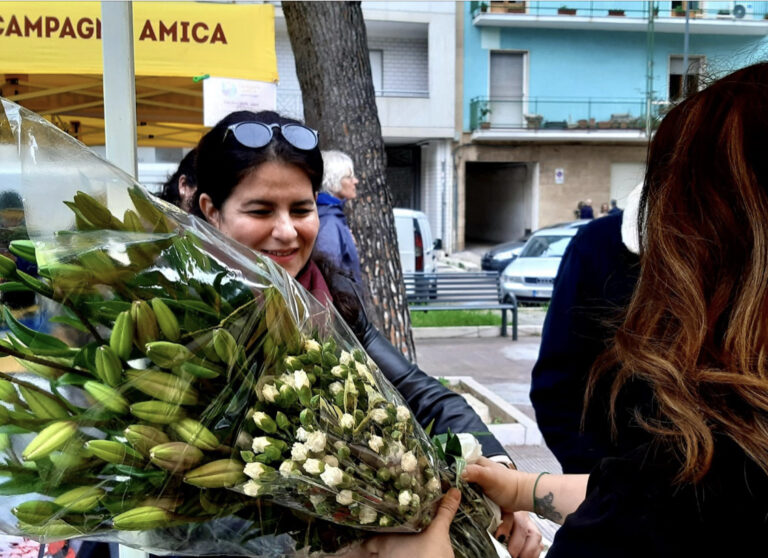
(689, 362)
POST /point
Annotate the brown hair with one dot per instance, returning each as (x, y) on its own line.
(696, 329)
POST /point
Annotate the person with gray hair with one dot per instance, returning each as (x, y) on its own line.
(335, 240)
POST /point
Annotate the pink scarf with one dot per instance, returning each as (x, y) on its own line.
(312, 280)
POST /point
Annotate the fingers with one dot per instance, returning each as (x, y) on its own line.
(449, 505)
(525, 540)
(505, 528)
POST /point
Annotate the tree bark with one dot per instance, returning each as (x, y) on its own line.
(330, 46)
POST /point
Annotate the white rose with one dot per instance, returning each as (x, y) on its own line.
(316, 499)
(260, 444)
(311, 345)
(252, 488)
(301, 379)
(367, 515)
(337, 371)
(375, 443)
(408, 462)
(471, 450)
(347, 421)
(345, 497)
(331, 460)
(287, 468)
(316, 442)
(404, 498)
(336, 387)
(395, 451)
(415, 501)
(269, 391)
(380, 416)
(338, 444)
(301, 434)
(256, 470)
(288, 379)
(362, 369)
(433, 485)
(332, 476)
(403, 413)
(299, 452)
(313, 466)
(346, 358)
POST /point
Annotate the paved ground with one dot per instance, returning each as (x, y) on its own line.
(504, 366)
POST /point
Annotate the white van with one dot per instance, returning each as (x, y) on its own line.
(414, 238)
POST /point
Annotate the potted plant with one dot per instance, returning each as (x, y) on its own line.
(678, 11)
(565, 10)
(724, 14)
(482, 6)
(615, 12)
(485, 112)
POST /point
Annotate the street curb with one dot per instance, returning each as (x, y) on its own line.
(472, 331)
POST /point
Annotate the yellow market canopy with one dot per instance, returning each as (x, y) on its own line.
(51, 62)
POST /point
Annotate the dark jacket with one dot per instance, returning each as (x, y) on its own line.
(586, 212)
(594, 283)
(334, 239)
(428, 399)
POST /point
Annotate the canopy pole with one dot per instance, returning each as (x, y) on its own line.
(119, 85)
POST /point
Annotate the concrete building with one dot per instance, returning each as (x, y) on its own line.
(413, 56)
(558, 102)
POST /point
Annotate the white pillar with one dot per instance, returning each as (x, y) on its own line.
(119, 84)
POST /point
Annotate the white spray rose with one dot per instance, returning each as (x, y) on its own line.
(287, 468)
(288, 379)
(345, 497)
(404, 498)
(346, 358)
(301, 434)
(337, 371)
(332, 476)
(316, 442)
(376, 443)
(403, 413)
(395, 451)
(256, 470)
(269, 391)
(311, 345)
(253, 488)
(433, 485)
(313, 466)
(316, 499)
(380, 416)
(336, 387)
(301, 379)
(408, 462)
(367, 515)
(331, 460)
(260, 444)
(299, 452)
(347, 421)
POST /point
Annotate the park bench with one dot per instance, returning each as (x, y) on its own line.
(470, 290)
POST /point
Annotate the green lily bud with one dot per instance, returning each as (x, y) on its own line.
(175, 456)
(80, 499)
(49, 439)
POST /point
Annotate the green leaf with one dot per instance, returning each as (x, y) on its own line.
(428, 429)
(14, 287)
(22, 484)
(453, 445)
(14, 429)
(34, 339)
(71, 322)
(461, 464)
(72, 379)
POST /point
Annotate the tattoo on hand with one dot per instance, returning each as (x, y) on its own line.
(544, 507)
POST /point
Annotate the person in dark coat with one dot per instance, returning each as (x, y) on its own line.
(614, 208)
(586, 211)
(335, 240)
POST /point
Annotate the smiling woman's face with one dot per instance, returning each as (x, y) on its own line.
(272, 210)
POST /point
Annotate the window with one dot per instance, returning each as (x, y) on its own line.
(507, 86)
(693, 76)
(377, 69)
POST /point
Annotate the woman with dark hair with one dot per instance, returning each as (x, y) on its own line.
(692, 352)
(258, 176)
(180, 188)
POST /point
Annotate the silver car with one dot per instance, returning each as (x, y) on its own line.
(531, 275)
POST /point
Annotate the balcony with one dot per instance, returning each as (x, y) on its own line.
(602, 16)
(563, 119)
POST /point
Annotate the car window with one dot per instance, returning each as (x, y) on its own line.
(546, 247)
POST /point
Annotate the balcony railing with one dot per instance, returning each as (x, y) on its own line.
(748, 11)
(543, 113)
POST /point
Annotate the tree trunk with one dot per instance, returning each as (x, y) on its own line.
(330, 46)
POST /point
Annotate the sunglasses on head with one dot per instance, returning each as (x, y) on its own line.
(258, 134)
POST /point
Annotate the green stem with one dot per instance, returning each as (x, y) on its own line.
(37, 360)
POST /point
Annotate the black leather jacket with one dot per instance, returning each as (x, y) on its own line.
(428, 399)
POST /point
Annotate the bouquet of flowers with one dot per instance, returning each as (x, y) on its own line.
(189, 397)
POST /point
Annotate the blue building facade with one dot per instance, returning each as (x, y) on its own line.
(560, 98)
